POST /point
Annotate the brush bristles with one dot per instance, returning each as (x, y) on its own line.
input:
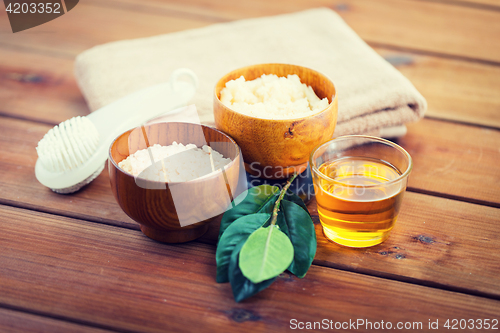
(68, 144)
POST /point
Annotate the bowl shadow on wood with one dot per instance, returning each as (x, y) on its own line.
(275, 149)
(175, 212)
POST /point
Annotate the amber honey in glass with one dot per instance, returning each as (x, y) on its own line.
(359, 183)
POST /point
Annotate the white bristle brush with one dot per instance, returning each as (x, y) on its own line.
(73, 153)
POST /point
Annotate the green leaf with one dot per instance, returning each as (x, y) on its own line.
(241, 286)
(299, 227)
(258, 199)
(252, 213)
(266, 254)
(290, 196)
(237, 232)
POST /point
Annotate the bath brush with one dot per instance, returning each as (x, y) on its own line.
(73, 153)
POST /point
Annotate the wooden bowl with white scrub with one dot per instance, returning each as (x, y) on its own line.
(174, 212)
(275, 148)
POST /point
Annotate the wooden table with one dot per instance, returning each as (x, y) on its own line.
(77, 263)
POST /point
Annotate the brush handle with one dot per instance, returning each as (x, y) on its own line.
(135, 109)
(110, 121)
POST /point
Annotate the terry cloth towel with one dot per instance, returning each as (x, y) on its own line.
(372, 94)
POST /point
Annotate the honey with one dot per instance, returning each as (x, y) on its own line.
(358, 200)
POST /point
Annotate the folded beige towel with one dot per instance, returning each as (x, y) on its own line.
(373, 95)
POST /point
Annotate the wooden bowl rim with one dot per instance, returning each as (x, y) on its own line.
(287, 120)
(199, 179)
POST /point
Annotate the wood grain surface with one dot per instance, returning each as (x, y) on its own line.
(44, 90)
(441, 152)
(77, 263)
(452, 87)
(459, 161)
(108, 23)
(87, 272)
(12, 321)
(447, 222)
(485, 4)
(436, 242)
(455, 90)
(425, 25)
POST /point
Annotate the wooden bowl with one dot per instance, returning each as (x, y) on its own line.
(276, 148)
(168, 211)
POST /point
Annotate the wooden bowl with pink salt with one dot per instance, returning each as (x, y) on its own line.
(174, 178)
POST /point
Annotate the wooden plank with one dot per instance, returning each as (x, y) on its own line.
(43, 90)
(460, 161)
(14, 322)
(88, 25)
(455, 90)
(490, 4)
(430, 26)
(418, 270)
(437, 242)
(118, 278)
(442, 152)
(18, 185)
(446, 221)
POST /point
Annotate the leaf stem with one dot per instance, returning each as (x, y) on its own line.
(282, 194)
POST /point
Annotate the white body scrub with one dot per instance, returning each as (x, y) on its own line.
(272, 97)
(178, 163)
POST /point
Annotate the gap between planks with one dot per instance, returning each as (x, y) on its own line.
(76, 324)
(26, 118)
(158, 10)
(79, 216)
(409, 280)
(445, 118)
(454, 197)
(484, 5)
(430, 53)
